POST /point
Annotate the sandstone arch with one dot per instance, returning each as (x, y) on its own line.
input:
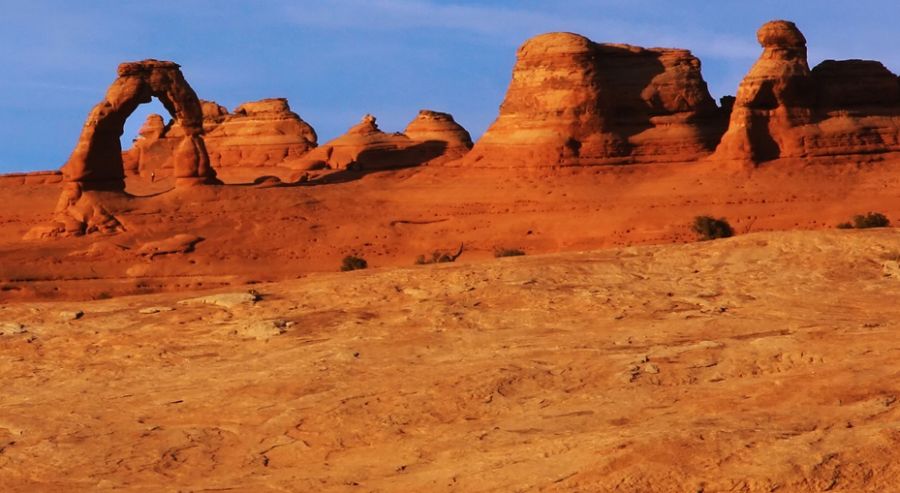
(94, 175)
(96, 162)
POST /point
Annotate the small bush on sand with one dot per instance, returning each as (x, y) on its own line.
(439, 257)
(710, 228)
(351, 262)
(865, 221)
(508, 252)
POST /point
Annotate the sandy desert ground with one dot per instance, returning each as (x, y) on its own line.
(389, 218)
(761, 363)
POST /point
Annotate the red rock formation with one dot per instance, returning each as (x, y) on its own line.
(96, 163)
(30, 178)
(213, 114)
(440, 131)
(575, 102)
(260, 133)
(432, 137)
(785, 110)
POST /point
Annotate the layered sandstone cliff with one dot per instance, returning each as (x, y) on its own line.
(575, 102)
(259, 133)
(432, 137)
(785, 110)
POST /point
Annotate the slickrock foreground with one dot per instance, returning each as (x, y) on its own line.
(761, 363)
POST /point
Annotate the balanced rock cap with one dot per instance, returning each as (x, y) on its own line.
(780, 34)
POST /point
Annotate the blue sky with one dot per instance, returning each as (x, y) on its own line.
(337, 60)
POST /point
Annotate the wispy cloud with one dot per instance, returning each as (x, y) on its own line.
(377, 15)
(511, 25)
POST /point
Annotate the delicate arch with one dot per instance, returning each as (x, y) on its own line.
(96, 162)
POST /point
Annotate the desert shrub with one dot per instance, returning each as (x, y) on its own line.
(710, 228)
(439, 257)
(508, 252)
(103, 295)
(351, 262)
(845, 226)
(870, 220)
(436, 257)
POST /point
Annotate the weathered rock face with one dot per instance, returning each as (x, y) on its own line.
(96, 163)
(785, 110)
(435, 125)
(260, 133)
(432, 137)
(441, 131)
(575, 102)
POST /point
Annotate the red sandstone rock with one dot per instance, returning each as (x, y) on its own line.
(260, 133)
(213, 114)
(180, 243)
(785, 110)
(96, 162)
(442, 132)
(30, 178)
(575, 102)
(96, 165)
(431, 137)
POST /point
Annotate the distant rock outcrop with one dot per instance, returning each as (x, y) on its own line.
(440, 130)
(432, 137)
(575, 102)
(259, 133)
(785, 110)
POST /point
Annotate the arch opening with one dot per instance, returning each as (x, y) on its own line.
(138, 120)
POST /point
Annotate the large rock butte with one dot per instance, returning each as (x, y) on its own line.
(431, 138)
(575, 102)
(785, 110)
(259, 133)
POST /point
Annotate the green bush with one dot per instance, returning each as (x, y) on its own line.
(710, 228)
(508, 252)
(865, 221)
(351, 262)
